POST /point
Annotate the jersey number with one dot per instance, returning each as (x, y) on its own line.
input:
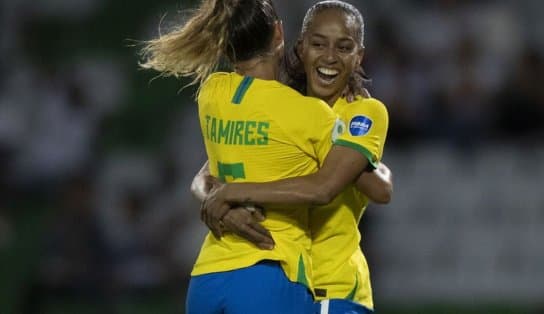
(235, 171)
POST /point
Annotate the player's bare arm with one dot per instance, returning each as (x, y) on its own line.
(376, 185)
(342, 166)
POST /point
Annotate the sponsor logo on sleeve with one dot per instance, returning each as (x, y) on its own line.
(359, 125)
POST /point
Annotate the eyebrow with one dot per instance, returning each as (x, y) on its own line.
(339, 39)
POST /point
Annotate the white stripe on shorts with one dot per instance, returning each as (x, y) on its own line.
(324, 307)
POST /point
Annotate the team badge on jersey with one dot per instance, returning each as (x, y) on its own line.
(359, 125)
(339, 128)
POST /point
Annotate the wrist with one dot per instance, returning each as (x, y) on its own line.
(226, 193)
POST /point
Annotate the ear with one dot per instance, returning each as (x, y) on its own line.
(360, 56)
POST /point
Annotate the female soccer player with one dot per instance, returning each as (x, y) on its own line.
(248, 137)
(331, 50)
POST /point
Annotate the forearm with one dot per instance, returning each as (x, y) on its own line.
(377, 185)
(310, 189)
(341, 167)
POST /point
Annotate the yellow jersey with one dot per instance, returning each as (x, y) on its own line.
(256, 131)
(340, 269)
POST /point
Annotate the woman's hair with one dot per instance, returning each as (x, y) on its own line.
(236, 30)
(295, 75)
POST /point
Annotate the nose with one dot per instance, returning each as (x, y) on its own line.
(330, 55)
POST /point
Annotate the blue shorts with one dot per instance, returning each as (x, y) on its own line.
(262, 288)
(340, 306)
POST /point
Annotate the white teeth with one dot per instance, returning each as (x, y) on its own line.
(327, 71)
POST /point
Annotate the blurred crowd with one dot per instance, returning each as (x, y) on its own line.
(456, 71)
(119, 216)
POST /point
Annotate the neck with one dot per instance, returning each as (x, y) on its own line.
(331, 100)
(260, 67)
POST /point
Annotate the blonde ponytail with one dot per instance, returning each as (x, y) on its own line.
(194, 49)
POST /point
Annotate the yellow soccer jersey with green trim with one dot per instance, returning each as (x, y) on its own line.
(340, 269)
(257, 131)
(365, 124)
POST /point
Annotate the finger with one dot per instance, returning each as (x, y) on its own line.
(205, 215)
(215, 229)
(214, 226)
(210, 184)
(220, 212)
(267, 236)
(258, 215)
(254, 237)
(216, 217)
(202, 212)
(213, 182)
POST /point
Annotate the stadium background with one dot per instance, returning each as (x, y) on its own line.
(96, 159)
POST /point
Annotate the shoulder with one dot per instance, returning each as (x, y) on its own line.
(290, 99)
(365, 111)
(372, 104)
(313, 109)
(310, 103)
(366, 107)
(216, 81)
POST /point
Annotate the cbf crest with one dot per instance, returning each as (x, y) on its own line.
(339, 129)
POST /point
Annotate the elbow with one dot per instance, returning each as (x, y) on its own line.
(384, 199)
(385, 196)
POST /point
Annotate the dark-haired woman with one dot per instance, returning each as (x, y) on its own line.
(331, 51)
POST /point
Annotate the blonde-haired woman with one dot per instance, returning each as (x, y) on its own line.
(248, 137)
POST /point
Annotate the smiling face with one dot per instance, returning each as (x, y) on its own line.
(330, 52)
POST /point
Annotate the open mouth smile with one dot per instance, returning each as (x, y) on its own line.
(327, 75)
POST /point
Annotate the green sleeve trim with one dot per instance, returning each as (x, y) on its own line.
(241, 90)
(360, 149)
